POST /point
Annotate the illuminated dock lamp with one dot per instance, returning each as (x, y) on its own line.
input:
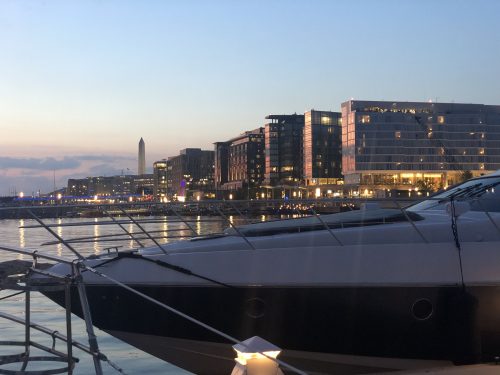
(255, 357)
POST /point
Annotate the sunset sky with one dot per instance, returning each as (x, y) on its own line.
(82, 81)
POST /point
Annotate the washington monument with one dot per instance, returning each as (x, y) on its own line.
(142, 158)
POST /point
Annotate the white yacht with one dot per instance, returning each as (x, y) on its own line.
(374, 289)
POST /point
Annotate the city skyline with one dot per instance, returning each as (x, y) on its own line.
(74, 99)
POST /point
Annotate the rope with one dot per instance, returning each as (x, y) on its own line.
(11, 295)
(454, 229)
(187, 317)
(163, 264)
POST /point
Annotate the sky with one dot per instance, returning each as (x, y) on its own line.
(82, 81)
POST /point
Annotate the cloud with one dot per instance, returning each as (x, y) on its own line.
(106, 169)
(33, 174)
(50, 163)
(28, 184)
(41, 164)
(104, 158)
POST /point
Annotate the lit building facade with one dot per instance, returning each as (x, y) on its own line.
(192, 174)
(111, 186)
(221, 164)
(283, 150)
(160, 180)
(322, 148)
(240, 165)
(416, 145)
(141, 168)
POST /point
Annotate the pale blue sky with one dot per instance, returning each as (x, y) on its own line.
(86, 79)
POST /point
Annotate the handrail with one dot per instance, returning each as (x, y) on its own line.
(187, 317)
(36, 254)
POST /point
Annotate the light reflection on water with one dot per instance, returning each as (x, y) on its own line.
(96, 236)
(49, 314)
(22, 242)
(60, 234)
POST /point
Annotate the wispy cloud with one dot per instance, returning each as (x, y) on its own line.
(50, 163)
(33, 174)
(43, 164)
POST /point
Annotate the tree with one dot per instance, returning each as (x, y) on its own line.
(425, 185)
(465, 175)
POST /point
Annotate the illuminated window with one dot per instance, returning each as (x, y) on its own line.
(365, 119)
(325, 120)
(481, 151)
(440, 119)
(397, 135)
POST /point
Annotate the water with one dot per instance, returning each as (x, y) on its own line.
(48, 314)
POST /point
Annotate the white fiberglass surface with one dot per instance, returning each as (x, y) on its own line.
(481, 193)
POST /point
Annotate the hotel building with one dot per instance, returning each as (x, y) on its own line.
(283, 150)
(239, 165)
(160, 180)
(192, 174)
(389, 146)
(322, 151)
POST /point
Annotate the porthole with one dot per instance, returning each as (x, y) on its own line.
(255, 308)
(422, 309)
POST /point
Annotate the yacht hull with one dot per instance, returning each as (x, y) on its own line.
(425, 323)
(210, 358)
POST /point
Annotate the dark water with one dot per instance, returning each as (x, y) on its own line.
(46, 313)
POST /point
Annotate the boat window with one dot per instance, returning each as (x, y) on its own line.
(483, 194)
(358, 218)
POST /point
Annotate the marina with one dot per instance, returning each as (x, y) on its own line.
(187, 280)
(249, 188)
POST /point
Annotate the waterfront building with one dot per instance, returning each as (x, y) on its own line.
(170, 186)
(221, 163)
(111, 186)
(416, 146)
(284, 155)
(141, 169)
(240, 165)
(160, 180)
(192, 174)
(322, 152)
(78, 187)
(143, 184)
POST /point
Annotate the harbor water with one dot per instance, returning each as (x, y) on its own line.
(45, 312)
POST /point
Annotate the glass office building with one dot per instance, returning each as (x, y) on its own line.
(411, 145)
(322, 147)
(160, 180)
(283, 149)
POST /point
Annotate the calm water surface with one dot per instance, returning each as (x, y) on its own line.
(48, 314)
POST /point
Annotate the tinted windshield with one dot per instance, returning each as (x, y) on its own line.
(482, 193)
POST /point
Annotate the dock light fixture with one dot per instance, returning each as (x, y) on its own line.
(255, 357)
(317, 193)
